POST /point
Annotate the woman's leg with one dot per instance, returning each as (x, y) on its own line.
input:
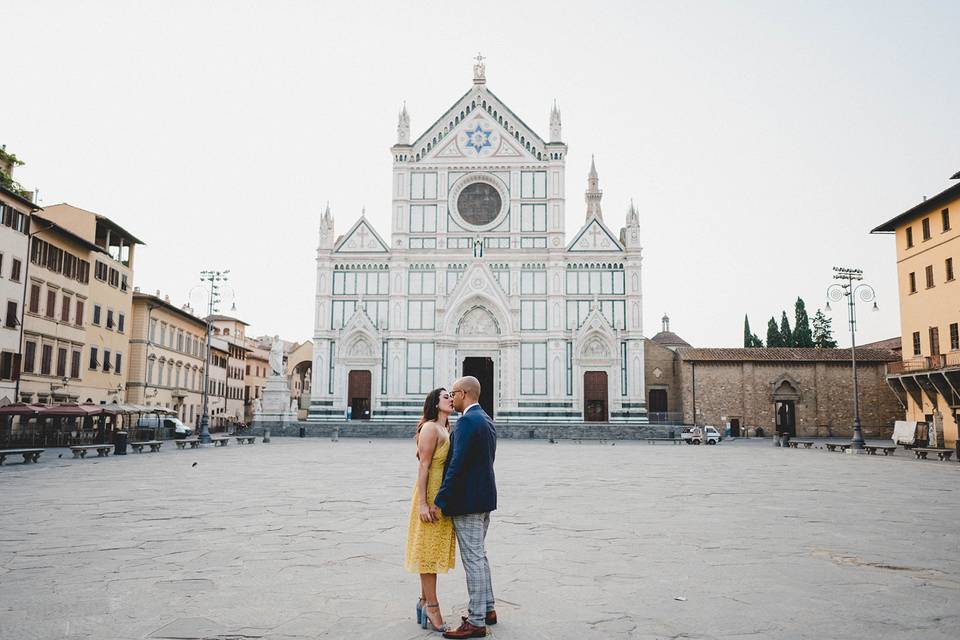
(428, 583)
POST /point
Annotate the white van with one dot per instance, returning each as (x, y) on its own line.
(161, 424)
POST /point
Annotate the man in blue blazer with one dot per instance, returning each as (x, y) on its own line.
(468, 494)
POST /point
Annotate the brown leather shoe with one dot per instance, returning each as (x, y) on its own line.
(466, 630)
(490, 618)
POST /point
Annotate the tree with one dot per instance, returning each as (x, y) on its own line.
(802, 335)
(823, 332)
(785, 334)
(750, 339)
(774, 339)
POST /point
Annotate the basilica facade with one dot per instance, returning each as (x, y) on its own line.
(477, 276)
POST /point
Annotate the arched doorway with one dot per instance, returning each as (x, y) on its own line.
(358, 394)
(595, 396)
(482, 370)
(785, 398)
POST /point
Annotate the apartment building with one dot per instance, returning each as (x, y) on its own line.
(167, 356)
(15, 213)
(927, 253)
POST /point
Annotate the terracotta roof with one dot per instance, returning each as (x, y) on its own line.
(670, 339)
(930, 204)
(894, 344)
(786, 354)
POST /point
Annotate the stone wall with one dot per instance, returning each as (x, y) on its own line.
(664, 360)
(744, 390)
(374, 429)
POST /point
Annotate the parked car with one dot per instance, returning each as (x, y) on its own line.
(160, 425)
(695, 435)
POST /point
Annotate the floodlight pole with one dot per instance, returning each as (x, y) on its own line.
(865, 292)
(214, 278)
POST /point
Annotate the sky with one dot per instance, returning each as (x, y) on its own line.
(760, 141)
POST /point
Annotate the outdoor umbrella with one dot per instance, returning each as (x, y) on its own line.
(71, 410)
(20, 409)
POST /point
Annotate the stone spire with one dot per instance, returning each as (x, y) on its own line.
(594, 194)
(326, 229)
(403, 126)
(666, 323)
(633, 219)
(555, 135)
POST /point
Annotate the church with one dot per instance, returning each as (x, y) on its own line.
(477, 277)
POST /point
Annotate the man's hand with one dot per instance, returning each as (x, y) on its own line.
(435, 512)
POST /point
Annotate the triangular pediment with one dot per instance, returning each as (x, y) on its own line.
(594, 237)
(595, 338)
(478, 127)
(477, 287)
(361, 238)
(359, 322)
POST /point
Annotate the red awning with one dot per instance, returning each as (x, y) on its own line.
(20, 409)
(71, 410)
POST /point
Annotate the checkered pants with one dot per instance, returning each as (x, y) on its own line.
(471, 533)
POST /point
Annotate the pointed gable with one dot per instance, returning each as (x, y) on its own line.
(479, 125)
(361, 238)
(594, 237)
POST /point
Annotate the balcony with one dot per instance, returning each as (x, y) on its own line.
(179, 392)
(927, 363)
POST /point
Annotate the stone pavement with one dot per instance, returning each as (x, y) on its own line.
(304, 539)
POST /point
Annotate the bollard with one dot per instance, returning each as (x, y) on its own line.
(266, 435)
(335, 435)
(303, 432)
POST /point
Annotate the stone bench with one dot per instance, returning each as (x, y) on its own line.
(888, 450)
(220, 441)
(838, 446)
(182, 444)
(942, 454)
(807, 444)
(246, 439)
(670, 440)
(80, 450)
(29, 455)
(153, 444)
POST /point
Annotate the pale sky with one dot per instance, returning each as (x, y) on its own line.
(761, 141)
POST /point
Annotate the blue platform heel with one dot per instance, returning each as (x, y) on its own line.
(427, 623)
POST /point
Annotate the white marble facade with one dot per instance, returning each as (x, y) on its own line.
(478, 276)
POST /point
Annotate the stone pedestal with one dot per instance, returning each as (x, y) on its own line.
(275, 403)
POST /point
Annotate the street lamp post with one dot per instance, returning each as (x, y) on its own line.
(865, 292)
(214, 278)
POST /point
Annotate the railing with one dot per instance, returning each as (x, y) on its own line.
(926, 363)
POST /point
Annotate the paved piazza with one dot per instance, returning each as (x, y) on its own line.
(304, 539)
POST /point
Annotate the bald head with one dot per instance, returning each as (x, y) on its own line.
(465, 392)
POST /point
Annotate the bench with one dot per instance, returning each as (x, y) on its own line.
(671, 440)
(182, 444)
(838, 446)
(807, 444)
(29, 455)
(220, 441)
(246, 439)
(888, 450)
(942, 454)
(153, 444)
(80, 450)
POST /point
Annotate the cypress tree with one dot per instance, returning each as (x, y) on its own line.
(802, 335)
(823, 331)
(774, 339)
(785, 334)
(747, 336)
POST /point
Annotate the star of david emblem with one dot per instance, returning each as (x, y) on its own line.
(479, 138)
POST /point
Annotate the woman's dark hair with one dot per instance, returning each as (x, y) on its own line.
(431, 411)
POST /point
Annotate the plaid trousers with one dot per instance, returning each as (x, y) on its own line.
(471, 532)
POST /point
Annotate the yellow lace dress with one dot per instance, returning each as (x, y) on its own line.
(431, 546)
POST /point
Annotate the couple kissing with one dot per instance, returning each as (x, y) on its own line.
(453, 496)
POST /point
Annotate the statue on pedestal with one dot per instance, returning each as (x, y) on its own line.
(276, 356)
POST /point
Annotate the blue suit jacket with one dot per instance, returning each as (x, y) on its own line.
(468, 484)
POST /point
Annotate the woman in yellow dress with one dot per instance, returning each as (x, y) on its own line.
(431, 542)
